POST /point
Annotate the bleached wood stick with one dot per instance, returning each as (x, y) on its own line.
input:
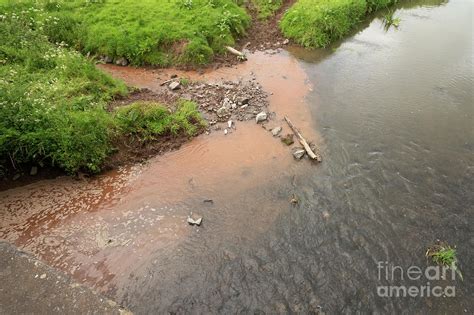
(235, 51)
(303, 141)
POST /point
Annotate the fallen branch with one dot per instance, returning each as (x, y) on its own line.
(236, 52)
(303, 142)
(167, 81)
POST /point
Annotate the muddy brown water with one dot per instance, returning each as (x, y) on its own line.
(393, 114)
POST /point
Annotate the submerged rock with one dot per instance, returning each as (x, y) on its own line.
(298, 153)
(276, 131)
(262, 116)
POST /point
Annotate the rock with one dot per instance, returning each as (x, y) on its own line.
(223, 112)
(194, 221)
(108, 59)
(227, 103)
(225, 131)
(174, 86)
(262, 116)
(288, 139)
(121, 62)
(244, 106)
(34, 171)
(298, 153)
(276, 131)
(229, 123)
(174, 76)
(286, 41)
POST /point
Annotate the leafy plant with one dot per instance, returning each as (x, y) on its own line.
(389, 20)
(444, 255)
(267, 7)
(186, 4)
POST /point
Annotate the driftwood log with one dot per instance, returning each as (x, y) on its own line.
(167, 81)
(304, 143)
(235, 52)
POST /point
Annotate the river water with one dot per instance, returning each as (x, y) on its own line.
(392, 111)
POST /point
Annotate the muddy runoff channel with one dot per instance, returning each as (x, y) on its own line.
(391, 111)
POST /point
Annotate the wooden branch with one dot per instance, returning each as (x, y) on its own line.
(303, 142)
(167, 81)
(235, 51)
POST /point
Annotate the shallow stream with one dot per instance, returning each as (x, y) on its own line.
(393, 113)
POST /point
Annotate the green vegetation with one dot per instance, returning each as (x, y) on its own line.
(53, 103)
(266, 8)
(389, 20)
(53, 100)
(444, 255)
(146, 120)
(318, 23)
(155, 32)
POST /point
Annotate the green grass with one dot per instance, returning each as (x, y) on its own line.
(154, 32)
(267, 8)
(146, 121)
(53, 104)
(51, 101)
(318, 23)
(444, 255)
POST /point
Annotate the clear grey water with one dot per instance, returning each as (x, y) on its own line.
(396, 113)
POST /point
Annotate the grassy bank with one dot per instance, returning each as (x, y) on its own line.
(53, 103)
(154, 32)
(317, 23)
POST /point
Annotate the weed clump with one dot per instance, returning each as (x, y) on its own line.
(146, 121)
(390, 20)
(444, 255)
(267, 8)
